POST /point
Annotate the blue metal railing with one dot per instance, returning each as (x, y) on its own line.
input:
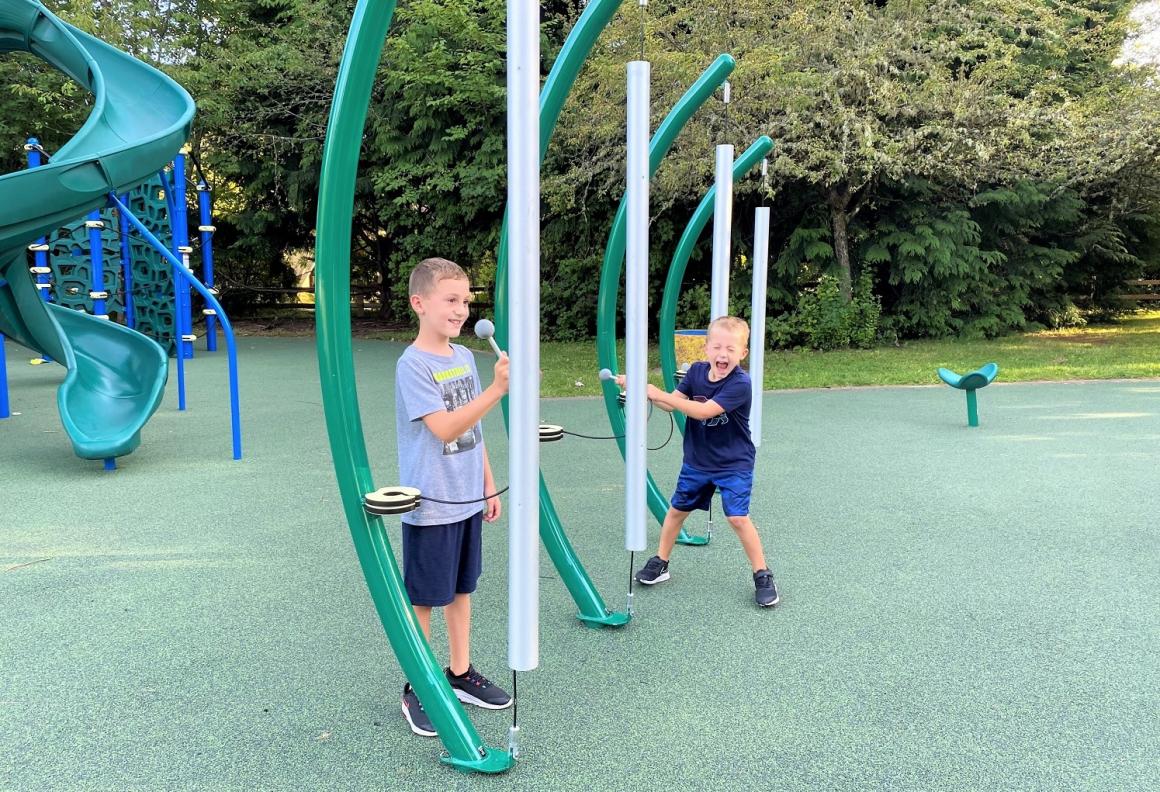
(183, 274)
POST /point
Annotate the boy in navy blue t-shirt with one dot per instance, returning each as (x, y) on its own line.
(715, 395)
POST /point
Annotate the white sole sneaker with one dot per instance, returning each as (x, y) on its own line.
(414, 728)
(661, 578)
(776, 599)
(467, 698)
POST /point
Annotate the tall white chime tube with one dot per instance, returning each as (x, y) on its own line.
(636, 307)
(757, 330)
(722, 226)
(722, 231)
(523, 200)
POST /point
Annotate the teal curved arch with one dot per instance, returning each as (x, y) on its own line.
(557, 86)
(613, 264)
(742, 165)
(360, 58)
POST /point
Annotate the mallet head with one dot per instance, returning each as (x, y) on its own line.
(484, 328)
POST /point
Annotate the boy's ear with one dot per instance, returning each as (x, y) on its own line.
(417, 303)
(744, 353)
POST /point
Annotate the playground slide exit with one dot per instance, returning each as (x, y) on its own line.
(140, 118)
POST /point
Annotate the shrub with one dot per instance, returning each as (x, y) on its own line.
(825, 321)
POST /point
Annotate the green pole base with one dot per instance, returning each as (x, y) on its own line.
(689, 539)
(609, 619)
(493, 761)
(972, 409)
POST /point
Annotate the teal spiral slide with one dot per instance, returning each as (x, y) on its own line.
(140, 118)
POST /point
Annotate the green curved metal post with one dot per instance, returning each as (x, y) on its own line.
(552, 97)
(613, 266)
(360, 59)
(748, 160)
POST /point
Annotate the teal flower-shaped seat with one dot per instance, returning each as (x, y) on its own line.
(970, 382)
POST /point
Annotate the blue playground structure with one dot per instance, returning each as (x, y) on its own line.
(140, 118)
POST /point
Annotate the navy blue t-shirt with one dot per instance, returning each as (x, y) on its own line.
(721, 443)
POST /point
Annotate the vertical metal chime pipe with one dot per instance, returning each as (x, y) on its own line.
(523, 145)
(757, 329)
(636, 305)
(722, 225)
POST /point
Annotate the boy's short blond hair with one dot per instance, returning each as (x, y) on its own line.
(429, 272)
(732, 324)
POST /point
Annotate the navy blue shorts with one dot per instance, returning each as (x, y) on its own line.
(695, 490)
(440, 561)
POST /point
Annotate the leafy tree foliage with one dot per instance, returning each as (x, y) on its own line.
(981, 166)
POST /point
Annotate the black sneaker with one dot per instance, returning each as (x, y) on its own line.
(766, 593)
(413, 711)
(655, 571)
(474, 688)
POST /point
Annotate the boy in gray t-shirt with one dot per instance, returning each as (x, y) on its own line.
(438, 407)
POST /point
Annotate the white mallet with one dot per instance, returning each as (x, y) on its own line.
(485, 329)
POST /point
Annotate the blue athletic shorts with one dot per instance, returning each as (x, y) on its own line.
(695, 490)
(440, 561)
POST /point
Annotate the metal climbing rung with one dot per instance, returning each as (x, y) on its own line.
(184, 249)
(44, 285)
(96, 295)
(39, 247)
(94, 224)
(40, 270)
(100, 316)
(209, 312)
(207, 228)
(189, 338)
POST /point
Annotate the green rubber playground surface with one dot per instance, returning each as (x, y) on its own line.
(962, 609)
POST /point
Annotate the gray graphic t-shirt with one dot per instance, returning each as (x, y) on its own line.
(427, 383)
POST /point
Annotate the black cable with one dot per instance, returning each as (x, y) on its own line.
(727, 121)
(200, 173)
(642, 32)
(45, 154)
(631, 557)
(461, 503)
(485, 498)
(672, 424)
(594, 437)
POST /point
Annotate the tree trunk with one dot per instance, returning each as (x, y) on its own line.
(386, 308)
(838, 199)
(383, 264)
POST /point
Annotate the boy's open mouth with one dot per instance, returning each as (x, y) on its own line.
(722, 366)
